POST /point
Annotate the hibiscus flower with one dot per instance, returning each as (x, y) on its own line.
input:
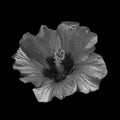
(60, 62)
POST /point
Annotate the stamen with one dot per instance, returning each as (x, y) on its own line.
(59, 56)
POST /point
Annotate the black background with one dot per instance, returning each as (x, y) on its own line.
(21, 18)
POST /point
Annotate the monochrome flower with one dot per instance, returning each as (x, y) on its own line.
(58, 63)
